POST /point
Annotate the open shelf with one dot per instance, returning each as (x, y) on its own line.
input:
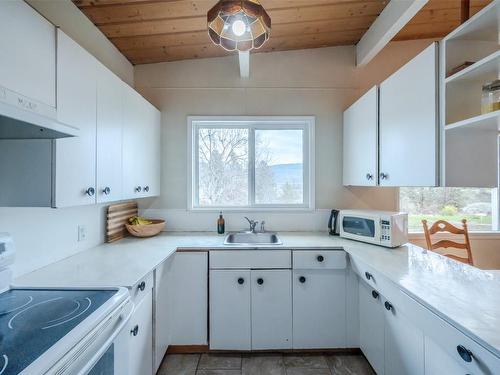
(488, 121)
(484, 70)
(482, 26)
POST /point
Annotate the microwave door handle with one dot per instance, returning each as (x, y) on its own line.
(85, 370)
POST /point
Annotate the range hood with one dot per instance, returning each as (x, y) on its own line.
(21, 118)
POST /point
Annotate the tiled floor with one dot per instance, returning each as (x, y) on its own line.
(265, 364)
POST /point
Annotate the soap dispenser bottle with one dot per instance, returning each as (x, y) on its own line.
(221, 225)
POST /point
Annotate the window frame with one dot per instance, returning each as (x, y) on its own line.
(253, 123)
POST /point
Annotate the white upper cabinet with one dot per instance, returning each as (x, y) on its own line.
(110, 91)
(360, 141)
(409, 128)
(27, 53)
(141, 147)
(75, 158)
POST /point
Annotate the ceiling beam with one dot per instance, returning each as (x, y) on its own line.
(244, 58)
(392, 19)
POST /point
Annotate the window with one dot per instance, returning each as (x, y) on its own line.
(478, 205)
(251, 162)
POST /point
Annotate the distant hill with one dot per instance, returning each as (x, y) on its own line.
(291, 173)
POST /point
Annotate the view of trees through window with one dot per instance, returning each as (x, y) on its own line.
(477, 205)
(224, 158)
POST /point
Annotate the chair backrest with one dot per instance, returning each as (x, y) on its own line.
(444, 226)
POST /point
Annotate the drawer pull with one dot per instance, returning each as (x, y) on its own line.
(375, 294)
(302, 279)
(260, 281)
(368, 275)
(241, 280)
(465, 353)
(388, 306)
(142, 286)
(134, 331)
(320, 258)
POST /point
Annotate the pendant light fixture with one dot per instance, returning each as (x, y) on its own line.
(238, 25)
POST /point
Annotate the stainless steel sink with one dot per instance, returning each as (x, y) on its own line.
(250, 238)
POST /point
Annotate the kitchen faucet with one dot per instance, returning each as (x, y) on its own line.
(253, 224)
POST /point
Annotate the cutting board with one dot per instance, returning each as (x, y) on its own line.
(117, 216)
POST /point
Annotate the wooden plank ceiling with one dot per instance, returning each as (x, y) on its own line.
(149, 31)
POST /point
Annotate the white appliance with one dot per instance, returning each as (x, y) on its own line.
(72, 331)
(385, 228)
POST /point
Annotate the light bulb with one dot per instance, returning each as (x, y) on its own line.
(238, 27)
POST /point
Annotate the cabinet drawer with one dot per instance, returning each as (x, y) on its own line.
(319, 259)
(142, 288)
(250, 259)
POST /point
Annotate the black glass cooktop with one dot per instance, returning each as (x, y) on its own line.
(32, 320)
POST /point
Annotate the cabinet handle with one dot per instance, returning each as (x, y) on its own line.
(90, 191)
(384, 176)
(320, 258)
(260, 281)
(375, 294)
(142, 286)
(388, 306)
(146, 189)
(465, 353)
(134, 331)
(302, 279)
(106, 190)
(369, 176)
(241, 280)
(368, 275)
(138, 189)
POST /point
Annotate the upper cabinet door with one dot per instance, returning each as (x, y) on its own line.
(360, 141)
(409, 123)
(153, 153)
(75, 158)
(109, 135)
(27, 52)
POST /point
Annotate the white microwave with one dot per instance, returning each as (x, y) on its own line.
(385, 228)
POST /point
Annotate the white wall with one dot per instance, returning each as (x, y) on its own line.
(320, 82)
(72, 21)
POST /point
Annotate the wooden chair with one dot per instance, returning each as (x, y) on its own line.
(444, 226)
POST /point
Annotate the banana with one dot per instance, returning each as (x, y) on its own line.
(137, 220)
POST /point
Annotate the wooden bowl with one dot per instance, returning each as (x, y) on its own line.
(149, 230)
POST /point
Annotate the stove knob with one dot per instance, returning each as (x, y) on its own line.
(134, 331)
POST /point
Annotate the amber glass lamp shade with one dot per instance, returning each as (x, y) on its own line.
(240, 25)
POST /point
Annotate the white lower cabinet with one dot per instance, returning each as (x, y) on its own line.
(319, 309)
(438, 362)
(371, 327)
(230, 321)
(141, 337)
(271, 296)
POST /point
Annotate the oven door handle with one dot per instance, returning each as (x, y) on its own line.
(90, 364)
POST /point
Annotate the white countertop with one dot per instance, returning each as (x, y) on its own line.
(467, 297)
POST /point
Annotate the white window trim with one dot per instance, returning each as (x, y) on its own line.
(307, 123)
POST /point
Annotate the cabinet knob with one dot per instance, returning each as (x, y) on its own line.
(138, 189)
(106, 190)
(134, 331)
(465, 353)
(146, 189)
(368, 275)
(241, 280)
(260, 281)
(384, 176)
(388, 306)
(375, 294)
(90, 191)
(302, 279)
(142, 286)
(320, 258)
(369, 176)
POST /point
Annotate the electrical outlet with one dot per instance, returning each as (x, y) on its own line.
(82, 233)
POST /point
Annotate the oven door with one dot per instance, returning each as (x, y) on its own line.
(114, 361)
(361, 228)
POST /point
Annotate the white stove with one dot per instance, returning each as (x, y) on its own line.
(60, 330)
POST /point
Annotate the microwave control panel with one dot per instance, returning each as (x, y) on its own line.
(385, 232)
